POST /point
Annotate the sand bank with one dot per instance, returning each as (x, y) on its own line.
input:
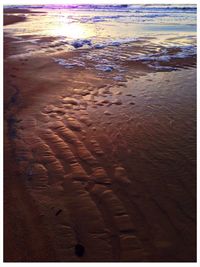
(18, 10)
(10, 19)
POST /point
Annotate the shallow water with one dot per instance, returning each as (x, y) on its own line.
(103, 25)
(131, 21)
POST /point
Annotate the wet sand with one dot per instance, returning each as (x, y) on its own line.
(10, 19)
(81, 167)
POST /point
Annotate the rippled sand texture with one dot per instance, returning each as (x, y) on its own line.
(96, 161)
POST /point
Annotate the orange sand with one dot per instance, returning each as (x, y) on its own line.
(63, 187)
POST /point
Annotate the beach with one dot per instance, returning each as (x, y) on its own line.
(99, 134)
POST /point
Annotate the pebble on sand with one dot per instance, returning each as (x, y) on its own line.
(117, 102)
(79, 250)
(128, 94)
(106, 112)
(70, 100)
(105, 101)
(120, 175)
(118, 93)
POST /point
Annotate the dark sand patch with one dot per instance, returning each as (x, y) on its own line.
(10, 19)
(18, 10)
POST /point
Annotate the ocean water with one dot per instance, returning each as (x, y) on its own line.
(109, 38)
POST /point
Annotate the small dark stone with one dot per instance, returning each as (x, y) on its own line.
(58, 212)
(79, 250)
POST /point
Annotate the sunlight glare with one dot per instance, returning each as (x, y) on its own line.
(65, 28)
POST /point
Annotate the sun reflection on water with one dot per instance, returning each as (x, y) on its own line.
(64, 27)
